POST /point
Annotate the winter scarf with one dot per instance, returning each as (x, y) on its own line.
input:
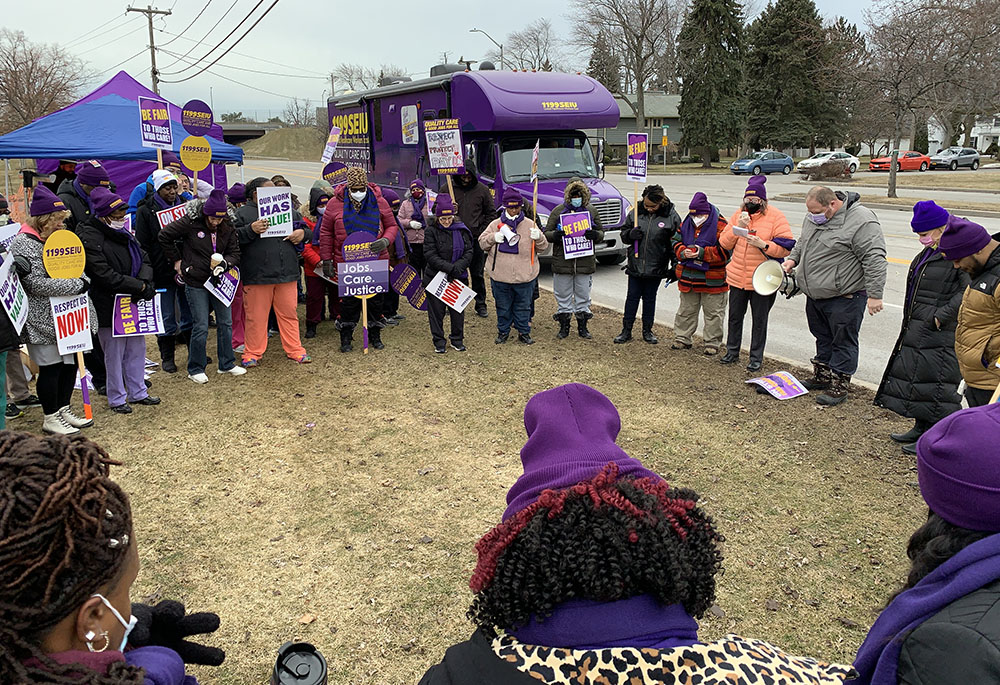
(418, 209)
(513, 223)
(362, 216)
(708, 237)
(161, 203)
(457, 242)
(83, 195)
(974, 567)
(134, 251)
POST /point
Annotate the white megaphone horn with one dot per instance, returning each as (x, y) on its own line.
(769, 278)
(509, 235)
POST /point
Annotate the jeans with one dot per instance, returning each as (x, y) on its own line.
(175, 309)
(644, 289)
(513, 303)
(572, 292)
(760, 307)
(3, 395)
(125, 360)
(201, 301)
(835, 323)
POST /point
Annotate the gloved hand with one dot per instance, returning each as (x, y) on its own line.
(535, 234)
(498, 236)
(454, 274)
(559, 235)
(220, 268)
(166, 625)
(148, 292)
(22, 266)
(329, 269)
(590, 234)
(85, 286)
(378, 245)
(415, 224)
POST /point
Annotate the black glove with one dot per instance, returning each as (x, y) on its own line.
(454, 274)
(590, 234)
(148, 292)
(378, 245)
(559, 235)
(329, 269)
(22, 266)
(165, 625)
(86, 286)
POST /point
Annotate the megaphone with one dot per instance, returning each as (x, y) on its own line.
(769, 278)
(509, 235)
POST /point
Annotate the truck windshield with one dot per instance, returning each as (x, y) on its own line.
(562, 156)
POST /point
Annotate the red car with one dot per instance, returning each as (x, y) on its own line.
(907, 160)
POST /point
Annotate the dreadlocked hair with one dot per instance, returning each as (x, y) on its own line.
(58, 513)
(605, 539)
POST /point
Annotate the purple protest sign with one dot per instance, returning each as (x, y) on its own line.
(364, 278)
(225, 289)
(196, 118)
(782, 385)
(637, 160)
(405, 280)
(335, 173)
(133, 317)
(574, 226)
(357, 247)
(154, 124)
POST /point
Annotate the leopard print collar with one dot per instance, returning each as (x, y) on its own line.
(733, 660)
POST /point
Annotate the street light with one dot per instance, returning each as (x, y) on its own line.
(492, 41)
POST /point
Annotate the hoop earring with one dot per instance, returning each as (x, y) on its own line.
(90, 641)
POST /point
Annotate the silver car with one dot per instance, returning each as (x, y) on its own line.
(954, 157)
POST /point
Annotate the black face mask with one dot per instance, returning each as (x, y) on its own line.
(753, 208)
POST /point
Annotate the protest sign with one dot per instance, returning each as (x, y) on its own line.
(63, 255)
(335, 173)
(407, 282)
(574, 225)
(225, 289)
(8, 233)
(196, 118)
(196, 153)
(274, 205)
(132, 317)
(357, 247)
(71, 315)
(409, 121)
(154, 124)
(354, 145)
(455, 294)
(168, 216)
(637, 157)
(331, 144)
(782, 385)
(445, 153)
(12, 295)
(361, 279)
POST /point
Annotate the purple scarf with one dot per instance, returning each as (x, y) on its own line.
(639, 622)
(161, 203)
(691, 237)
(513, 224)
(457, 241)
(974, 567)
(418, 209)
(134, 251)
(79, 191)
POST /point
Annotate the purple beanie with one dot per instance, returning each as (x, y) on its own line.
(957, 468)
(755, 187)
(927, 216)
(962, 238)
(44, 201)
(417, 183)
(512, 198)
(105, 202)
(443, 206)
(91, 173)
(700, 204)
(170, 159)
(238, 193)
(390, 196)
(215, 205)
(571, 437)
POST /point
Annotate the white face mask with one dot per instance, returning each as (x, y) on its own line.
(358, 195)
(321, 210)
(117, 225)
(129, 626)
(510, 217)
(699, 220)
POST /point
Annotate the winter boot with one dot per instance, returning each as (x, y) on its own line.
(647, 333)
(184, 337)
(167, 344)
(626, 334)
(581, 324)
(375, 336)
(55, 424)
(346, 336)
(837, 391)
(564, 321)
(821, 379)
(310, 330)
(911, 435)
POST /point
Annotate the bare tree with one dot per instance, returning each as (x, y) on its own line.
(535, 47)
(349, 76)
(35, 79)
(299, 113)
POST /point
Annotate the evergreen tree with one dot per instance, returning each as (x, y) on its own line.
(604, 65)
(710, 66)
(784, 64)
(843, 59)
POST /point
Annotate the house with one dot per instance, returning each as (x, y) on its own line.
(661, 111)
(986, 132)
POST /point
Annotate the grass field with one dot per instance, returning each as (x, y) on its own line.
(339, 502)
(875, 197)
(980, 180)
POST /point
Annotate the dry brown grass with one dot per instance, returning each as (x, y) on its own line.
(367, 519)
(876, 199)
(986, 179)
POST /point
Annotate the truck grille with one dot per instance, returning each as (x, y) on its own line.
(610, 212)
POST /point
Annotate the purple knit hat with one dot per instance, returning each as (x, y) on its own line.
(957, 468)
(91, 173)
(105, 202)
(700, 204)
(512, 198)
(571, 437)
(417, 183)
(215, 205)
(927, 216)
(170, 159)
(755, 187)
(443, 206)
(44, 201)
(391, 196)
(237, 193)
(962, 238)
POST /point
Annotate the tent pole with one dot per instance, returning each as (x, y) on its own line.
(242, 179)
(6, 178)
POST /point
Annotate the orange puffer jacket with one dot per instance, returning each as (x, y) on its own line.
(769, 225)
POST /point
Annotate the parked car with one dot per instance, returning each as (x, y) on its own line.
(954, 157)
(763, 162)
(819, 158)
(906, 160)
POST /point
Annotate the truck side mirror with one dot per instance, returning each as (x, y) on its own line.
(600, 157)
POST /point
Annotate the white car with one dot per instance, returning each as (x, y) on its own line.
(852, 162)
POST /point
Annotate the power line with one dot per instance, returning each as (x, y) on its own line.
(105, 34)
(219, 44)
(255, 58)
(219, 21)
(252, 71)
(104, 45)
(90, 33)
(196, 18)
(127, 59)
(246, 85)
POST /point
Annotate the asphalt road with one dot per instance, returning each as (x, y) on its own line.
(788, 335)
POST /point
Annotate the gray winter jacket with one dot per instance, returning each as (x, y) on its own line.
(844, 255)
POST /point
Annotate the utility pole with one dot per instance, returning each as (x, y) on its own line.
(149, 12)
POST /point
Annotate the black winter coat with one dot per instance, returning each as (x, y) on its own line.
(473, 662)
(267, 260)
(77, 206)
(190, 240)
(439, 244)
(109, 266)
(655, 255)
(960, 645)
(147, 231)
(475, 204)
(922, 376)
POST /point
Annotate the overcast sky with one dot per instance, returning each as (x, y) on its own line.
(301, 40)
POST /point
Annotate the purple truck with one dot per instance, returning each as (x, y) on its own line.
(502, 115)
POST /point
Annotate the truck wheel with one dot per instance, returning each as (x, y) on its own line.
(611, 260)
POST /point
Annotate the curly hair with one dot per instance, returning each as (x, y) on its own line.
(604, 539)
(932, 544)
(58, 512)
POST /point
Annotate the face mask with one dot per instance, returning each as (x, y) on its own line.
(818, 219)
(416, 194)
(117, 225)
(577, 202)
(510, 217)
(321, 210)
(752, 208)
(127, 625)
(699, 220)
(927, 240)
(358, 195)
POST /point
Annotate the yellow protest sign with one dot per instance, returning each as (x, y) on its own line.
(196, 153)
(63, 255)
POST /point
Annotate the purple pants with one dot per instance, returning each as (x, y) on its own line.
(125, 359)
